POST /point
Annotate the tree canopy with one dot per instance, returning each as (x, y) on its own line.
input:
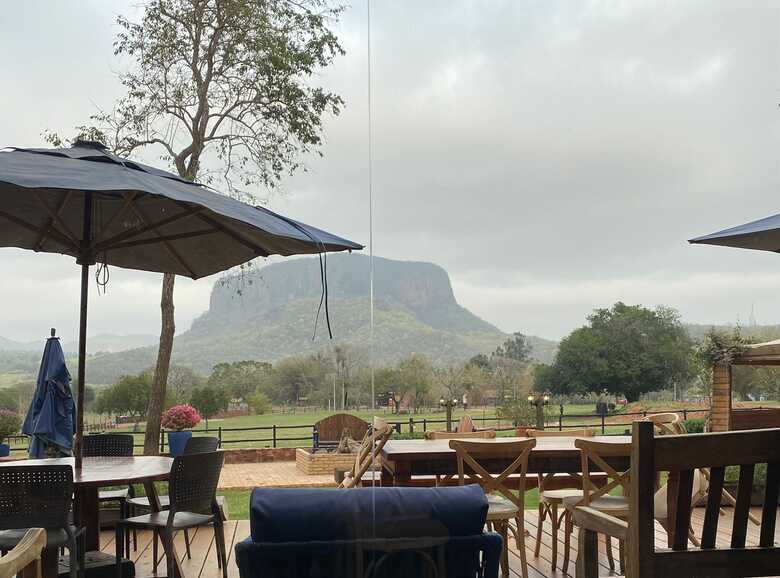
(626, 349)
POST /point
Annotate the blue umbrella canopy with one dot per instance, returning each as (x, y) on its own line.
(51, 419)
(100, 208)
(762, 235)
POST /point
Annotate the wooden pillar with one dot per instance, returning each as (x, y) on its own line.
(720, 408)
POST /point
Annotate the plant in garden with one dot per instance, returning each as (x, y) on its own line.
(180, 417)
(10, 423)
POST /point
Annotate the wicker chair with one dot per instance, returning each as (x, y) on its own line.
(503, 503)
(26, 553)
(192, 503)
(195, 445)
(113, 446)
(40, 497)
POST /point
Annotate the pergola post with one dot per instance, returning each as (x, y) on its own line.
(720, 405)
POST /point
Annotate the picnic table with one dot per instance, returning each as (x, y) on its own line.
(94, 474)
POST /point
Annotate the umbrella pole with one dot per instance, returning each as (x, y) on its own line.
(85, 260)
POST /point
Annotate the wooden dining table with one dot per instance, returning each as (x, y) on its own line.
(100, 472)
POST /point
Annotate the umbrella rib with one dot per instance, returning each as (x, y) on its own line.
(134, 232)
(53, 232)
(45, 233)
(258, 250)
(129, 199)
(163, 238)
(55, 216)
(173, 253)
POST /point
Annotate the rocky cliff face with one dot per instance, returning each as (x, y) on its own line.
(269, 313)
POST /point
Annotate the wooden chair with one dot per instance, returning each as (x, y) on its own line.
(466, 425)
(566, 486)
(503, 503)
(595, 455)
(453, 435)
(26, 553)
(683, 455)
(375, 439)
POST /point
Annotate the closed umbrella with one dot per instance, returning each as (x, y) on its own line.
(51, 419)
(100, 208)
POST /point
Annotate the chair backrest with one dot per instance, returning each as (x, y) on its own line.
(465, 425)
(568, 433)
(598, 454)
(373, 441)
(35, 496)
(451, 435)
(193, 482)
(24, 554)
(201, 445)
(107, 445)
(666, 423)
(475, 454)
(684, 454)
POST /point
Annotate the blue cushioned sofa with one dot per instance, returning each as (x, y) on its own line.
(369, 533)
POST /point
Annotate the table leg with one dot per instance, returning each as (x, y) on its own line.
(170, 549)
(86, 514)
(672, 487)
(402, 476)
(50, 567)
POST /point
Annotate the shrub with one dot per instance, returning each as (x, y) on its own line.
(180, 417)
(694, 425)
(10, 423)
(259, 403)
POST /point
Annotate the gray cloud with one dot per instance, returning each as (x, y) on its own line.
(553, 156)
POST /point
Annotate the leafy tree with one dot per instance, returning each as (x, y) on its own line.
(225, 90)
(516, 348)
(182, 380)
(240, 378)
(8, 400)
(300, 377)
(209, 400)
(259, 403)
(415, 380)
(128, 396)
(625, 350)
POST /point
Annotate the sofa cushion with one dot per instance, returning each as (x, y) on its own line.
(307, 514)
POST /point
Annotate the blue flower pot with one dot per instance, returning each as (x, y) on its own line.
(177, 440)
(5, 450)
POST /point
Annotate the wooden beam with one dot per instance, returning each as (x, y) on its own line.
(50, 224)
(168, 247)
(258, 250)
(147, 226)
(161, 238)
(36, 229)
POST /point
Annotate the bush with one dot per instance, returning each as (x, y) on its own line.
(694, 425)
(259, 403)
(10, 423)
(180, 417)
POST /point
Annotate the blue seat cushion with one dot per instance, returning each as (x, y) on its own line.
(312, 514)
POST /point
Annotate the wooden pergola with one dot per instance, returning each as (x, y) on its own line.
(723, 416)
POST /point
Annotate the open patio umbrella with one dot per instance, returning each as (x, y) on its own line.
(51, 419)
(763, 235)
(100, 208)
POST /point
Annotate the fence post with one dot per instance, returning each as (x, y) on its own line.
(560, 419)
(603, 424)
(685, 414)
(411, 425)
(425, 424)
(274, 435)
(219, 435)
(162, 440)
(398, 427)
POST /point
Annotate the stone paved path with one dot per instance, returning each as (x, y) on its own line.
(277, 474)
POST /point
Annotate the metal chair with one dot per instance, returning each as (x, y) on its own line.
(26, 553)
(192, 503)
(503, 503)
(113, 446)
(40, 497)
(195, 445)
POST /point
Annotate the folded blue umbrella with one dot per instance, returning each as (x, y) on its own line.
(50, 421)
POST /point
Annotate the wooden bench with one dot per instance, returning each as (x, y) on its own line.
(681, 455)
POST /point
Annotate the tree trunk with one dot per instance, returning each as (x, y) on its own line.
(157, 396)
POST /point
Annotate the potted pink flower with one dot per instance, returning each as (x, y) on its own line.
(177, 419)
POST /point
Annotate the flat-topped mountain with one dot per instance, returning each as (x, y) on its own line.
(269, 313)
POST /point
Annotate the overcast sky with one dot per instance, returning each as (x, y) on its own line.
(553, 156)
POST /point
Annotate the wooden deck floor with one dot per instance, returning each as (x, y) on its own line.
(204, 563)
